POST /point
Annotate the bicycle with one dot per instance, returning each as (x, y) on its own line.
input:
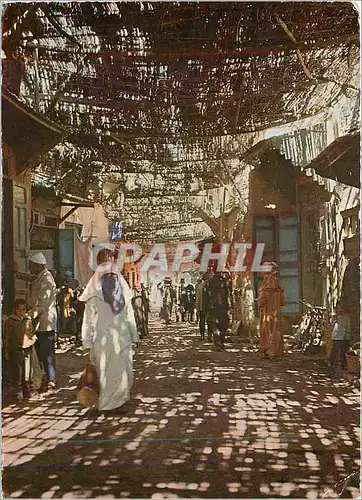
(309, 333)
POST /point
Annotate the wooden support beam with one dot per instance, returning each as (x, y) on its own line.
(301, 60)
(292, 38)
(70, 212)
(73, 209)
(76, 204)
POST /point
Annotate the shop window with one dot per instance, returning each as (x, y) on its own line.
(50, 221)
(45, 220)
(281, 239)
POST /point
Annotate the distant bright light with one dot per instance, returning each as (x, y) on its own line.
(271, 205)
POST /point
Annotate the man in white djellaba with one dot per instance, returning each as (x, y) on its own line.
(43, 312)
(109, 330)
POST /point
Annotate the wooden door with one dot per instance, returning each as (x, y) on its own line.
(288, 261)
(281, 239)
(21, 235)
(65, 251)
(7, 245)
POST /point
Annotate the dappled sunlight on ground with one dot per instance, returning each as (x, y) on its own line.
(201, 424)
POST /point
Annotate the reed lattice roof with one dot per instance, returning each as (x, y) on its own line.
(164, 82)
(167, 69)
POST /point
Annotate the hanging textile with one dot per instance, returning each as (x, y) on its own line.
(82, 271)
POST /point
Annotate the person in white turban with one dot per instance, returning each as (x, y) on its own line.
(43, 312)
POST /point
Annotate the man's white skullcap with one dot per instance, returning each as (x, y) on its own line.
(38, 258)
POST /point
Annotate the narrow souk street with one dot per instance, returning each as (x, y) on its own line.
(175, 159)
(201, 424)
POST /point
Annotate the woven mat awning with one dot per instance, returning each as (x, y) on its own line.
(341, 160)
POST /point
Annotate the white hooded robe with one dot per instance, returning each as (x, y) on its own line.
(109, 338)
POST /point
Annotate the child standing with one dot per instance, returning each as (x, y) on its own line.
(341, 337)
(24, 364)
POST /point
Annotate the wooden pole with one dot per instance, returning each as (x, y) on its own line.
(36, 79)
(223, 213)
(221, 222)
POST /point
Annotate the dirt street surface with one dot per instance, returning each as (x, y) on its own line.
(201, 424)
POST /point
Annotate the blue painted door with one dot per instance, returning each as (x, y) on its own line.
(288, 260)
(65, 250)
(281, 239)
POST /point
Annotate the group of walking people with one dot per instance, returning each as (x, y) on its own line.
(112, 323)
(109, 331)
(215, 304)
(178, 301)
(212, 302)
(110, 326)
